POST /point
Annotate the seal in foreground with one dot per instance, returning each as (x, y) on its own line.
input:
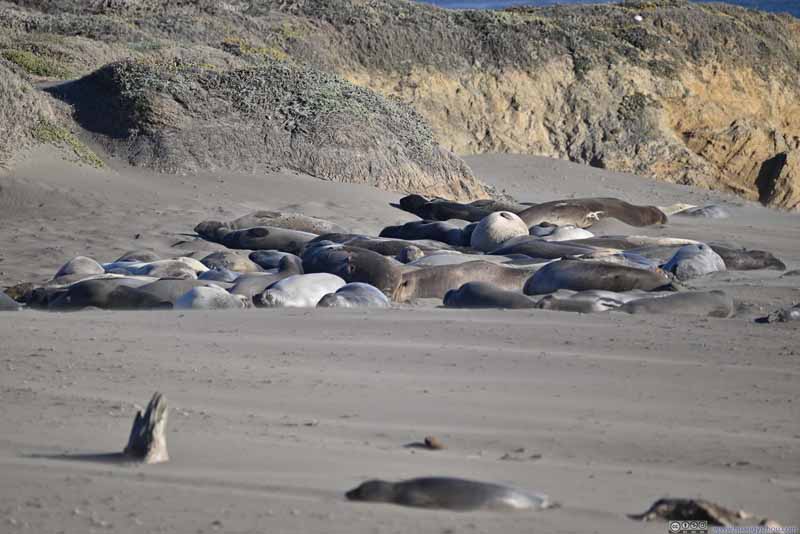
(448, 493)
(147, 442)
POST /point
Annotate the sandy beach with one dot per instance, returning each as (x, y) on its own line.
(274, 414)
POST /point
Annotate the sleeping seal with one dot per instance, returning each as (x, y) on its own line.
(448, 493)
(251, 285)
(210, 298)
(746, 260)
(355, 295)
(435, 230)
(577, 305)
(483, 295)
(435, 282)
(265, 238)
(353, 264)
(438, 209)
(287, 220)
(269, 259)
(582, 275)
(691, 261)
(496, 229)
(584, 212)
(568, 232)
(228, 259)
(300, 290)
(535, 247)
(703, 303)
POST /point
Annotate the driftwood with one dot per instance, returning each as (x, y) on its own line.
(147, 442)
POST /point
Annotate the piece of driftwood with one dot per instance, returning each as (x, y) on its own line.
(147, 442)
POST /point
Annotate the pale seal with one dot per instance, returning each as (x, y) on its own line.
(435, 282)
(484, 295)
(251, 285)
(355, 295)
(210, 298)
(560, 233)
(7, 303)
(582, 275)
(577, 305)
(495, 229)
(300, 290)
(703, 303)
(226, 259)
(170, 290)
(448, 493)
(692, 261)
(584, 212)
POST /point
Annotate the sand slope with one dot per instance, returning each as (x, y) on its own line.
(275, 413)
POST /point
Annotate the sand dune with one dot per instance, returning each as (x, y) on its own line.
(276, 413)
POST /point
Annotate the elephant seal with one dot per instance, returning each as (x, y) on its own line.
(251, 285)
(219, 275)
(435, 282)
(703, 303)
(447, 493)
(747, 260)
(582, 275)
(442, 210)
(409, 254)
(435, 230)
(584, 212)
(495, 229)
(266, 238)
(289, 221)
(624, 258)
(143, 256)
(77, 269)
(547, 250)
(355, 295)
(170, 290)
(300, 290)
(210, 298)
(386, 246)
(8, 304)
(157, 269)
(627, 242)
(97, 293)
(568, 232)
(483, 295)
(577, 305)
(226, 259)
(353, 264)
(269, 259)
(691, 261)
(782, 316)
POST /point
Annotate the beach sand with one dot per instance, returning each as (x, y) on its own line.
(274, 414)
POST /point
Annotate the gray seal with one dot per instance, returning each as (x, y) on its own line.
(210, 298)
(269, 259)
(7, 303)
(583, 275)
(535, 247)
(107, 294)
(739, 259)
(435, 282)
(692, 261)
(584, 212)
(438, 209)
(266, 238)
(355, 295)
(435, 230)
(703, 303)
(143, 256)
(227, 259)
(448, 493)
(353, 264)
(252, 285)
(484, 295)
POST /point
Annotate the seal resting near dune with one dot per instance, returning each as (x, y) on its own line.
(485, 295)
(582, 275)
(448, 493)
(210, 298)
(266, 238)
(355, 295)
(740, 259)
(535, 247)
(353, 264)
(436, 230)
(495, 229)
(698, 303)
(584, 212)
(691, 261)
(435, 282)
(439, 209)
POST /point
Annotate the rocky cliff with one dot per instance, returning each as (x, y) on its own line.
(702, 94)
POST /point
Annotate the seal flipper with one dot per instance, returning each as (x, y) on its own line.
(147, 442)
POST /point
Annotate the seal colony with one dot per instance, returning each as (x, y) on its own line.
(486, 254)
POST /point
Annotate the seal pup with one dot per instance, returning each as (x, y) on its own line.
(495, 229)
(703, 303)
(582, 275)
(355, 295)
(435, 282)
(691, 510)
(251, 285)
(435, 230)
(484, 295)
(226, 259)
(691, 261)
(210, 298)
(353, 264)
(300, 290)
(448, 493)
(584, 212)
(747, 260)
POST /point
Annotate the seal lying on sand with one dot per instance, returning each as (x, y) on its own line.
(355, 295)
(210, 298)
(569, 232)
(227, 259)
(300, 290)
(107, 294)
(289, 221)
(269, 259)
(484, 295)
(584, 212)
(251, 285)
(353, 264)
(386, 246)
(447, 493)
(442, 210)
(266, 238)
(538, 248)
(583, 275)
(435, 282)
(577, 305)
(435, 230)
(496, 229)
(747, 260)
(691, 261)
(703, 303)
